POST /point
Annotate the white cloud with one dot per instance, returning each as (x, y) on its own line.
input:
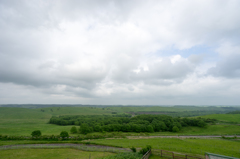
(91, 51)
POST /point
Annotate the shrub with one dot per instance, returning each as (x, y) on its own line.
(36, 133)
(175, 129)
(133, 149)
(73, 130)
(145, 150)
(64, 134)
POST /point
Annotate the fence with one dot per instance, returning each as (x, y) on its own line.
(174, 155)
(147, 154)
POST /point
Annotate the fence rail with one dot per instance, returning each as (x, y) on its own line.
(173, 155)
(147, 154)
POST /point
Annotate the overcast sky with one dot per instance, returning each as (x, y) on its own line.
(152, 52)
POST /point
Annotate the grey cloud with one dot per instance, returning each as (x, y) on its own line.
(159, 73)
(44, 43)
(228, 67)
(26, 72)
(196, 59)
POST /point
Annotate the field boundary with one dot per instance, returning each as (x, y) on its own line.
(174, 155)
(147, 154)
(75, 146)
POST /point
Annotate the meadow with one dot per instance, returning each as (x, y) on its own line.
(22, 121)
(227, 118)
(183, 145)
(51, 154)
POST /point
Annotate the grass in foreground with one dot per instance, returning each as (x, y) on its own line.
(192, 146)
(51, 154)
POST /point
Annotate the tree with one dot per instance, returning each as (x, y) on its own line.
(64, 134)
(36, 133)
(73, 130)
(175, 129)
(162, 126)
(149, 128)
(84, 129)
(201, 123)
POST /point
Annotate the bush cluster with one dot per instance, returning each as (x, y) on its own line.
(56, 137)
(143, 151)
(126, 123)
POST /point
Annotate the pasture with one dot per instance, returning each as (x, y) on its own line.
(230, 118)
(51, 154)
(184, 145)
(22, 121)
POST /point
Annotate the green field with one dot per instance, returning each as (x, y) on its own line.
(233, 118)
(122, 109)
(22, 121)
(188, 146)
(51, 154)
(209, 130)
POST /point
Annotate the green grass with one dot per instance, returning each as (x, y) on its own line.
(20, 142)
(22, 121)
(123, 109)
(47, 113)
(22, 113)
(155, 157)
(25, 127)
(51, 154)
(209, 130)
(191, 130)
(74, 111)
(192, 146)
(235, 118)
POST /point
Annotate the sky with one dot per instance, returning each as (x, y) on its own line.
(129, 52)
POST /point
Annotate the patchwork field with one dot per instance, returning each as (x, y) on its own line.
(22, 121)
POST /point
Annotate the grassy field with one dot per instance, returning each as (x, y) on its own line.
(25, 127)
(22, 121)
(51, 154)
(209, 130)
(47, 113)
(188, 146)
(234, 118)
(122, 109)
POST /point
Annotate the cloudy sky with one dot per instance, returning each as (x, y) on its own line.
(152, 52)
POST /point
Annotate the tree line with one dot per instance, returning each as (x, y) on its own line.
(126, 123)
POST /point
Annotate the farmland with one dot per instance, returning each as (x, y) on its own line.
(21, 121)
(51, 154)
